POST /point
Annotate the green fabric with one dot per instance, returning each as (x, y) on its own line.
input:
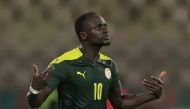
(81, 83)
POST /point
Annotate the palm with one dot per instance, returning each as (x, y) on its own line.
(40, 79)
(155, 85)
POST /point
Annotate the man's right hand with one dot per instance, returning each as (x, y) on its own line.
(39, 80)
(39, 83)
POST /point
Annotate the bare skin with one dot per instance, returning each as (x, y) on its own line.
(39, 82)
(93, 39)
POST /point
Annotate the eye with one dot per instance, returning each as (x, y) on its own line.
(101, 27)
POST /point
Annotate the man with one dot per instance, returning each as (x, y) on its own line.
(85, 78)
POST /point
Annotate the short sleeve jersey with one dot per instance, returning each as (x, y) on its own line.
(81, 83)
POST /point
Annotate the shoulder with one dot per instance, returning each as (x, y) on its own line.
(109, 61)
(70, 55)
(104, 57)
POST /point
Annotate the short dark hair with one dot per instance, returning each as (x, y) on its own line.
(80, 21)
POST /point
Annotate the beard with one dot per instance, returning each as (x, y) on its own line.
(106, 44)
(101, 44)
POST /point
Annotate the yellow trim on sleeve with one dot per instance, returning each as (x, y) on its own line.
(104, 57)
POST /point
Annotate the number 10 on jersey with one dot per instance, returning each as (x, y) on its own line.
(98, 91)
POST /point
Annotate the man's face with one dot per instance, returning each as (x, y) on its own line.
(97, 31)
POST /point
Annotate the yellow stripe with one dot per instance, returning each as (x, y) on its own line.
(74, 54)
(103, 57)
(70, 55)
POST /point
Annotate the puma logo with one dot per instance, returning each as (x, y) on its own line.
(82, 74)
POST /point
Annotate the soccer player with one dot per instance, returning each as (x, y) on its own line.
(85, 78)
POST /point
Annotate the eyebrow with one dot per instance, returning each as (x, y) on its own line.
(104, 24)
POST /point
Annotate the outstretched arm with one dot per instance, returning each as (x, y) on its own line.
(39, 89)
(154, 87)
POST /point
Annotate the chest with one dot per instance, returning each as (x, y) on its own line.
(87, 76)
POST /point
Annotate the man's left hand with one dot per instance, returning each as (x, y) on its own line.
(155, 84)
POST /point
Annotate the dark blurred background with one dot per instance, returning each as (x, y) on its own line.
(148, 36)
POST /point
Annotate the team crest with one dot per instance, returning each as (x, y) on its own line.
(107, 73)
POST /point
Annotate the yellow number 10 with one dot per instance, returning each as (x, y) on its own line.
(98, 91)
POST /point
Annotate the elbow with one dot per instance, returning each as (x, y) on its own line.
(32, 102)
(32, 105)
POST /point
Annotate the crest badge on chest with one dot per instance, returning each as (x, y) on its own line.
(107, 73)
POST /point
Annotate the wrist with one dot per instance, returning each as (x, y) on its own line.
(33, 91)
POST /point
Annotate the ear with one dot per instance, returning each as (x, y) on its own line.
(83, 35)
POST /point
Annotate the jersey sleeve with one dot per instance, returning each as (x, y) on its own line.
(116, 83)
(58, 75)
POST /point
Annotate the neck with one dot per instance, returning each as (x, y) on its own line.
(91, 52)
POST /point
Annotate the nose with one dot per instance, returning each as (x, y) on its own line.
(105, 29)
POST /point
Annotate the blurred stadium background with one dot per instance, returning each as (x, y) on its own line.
(148, 36)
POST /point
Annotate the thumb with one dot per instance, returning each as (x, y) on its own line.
(162, 75)
(36, 70)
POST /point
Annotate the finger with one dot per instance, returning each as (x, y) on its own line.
(45, 71)
(49, 73)
(151, 85)
(157, 80)
(151, 89)
(162, 75)
(36, 70)
(151, 82)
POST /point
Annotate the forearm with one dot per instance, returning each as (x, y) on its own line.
(130, 102)
(35, 100)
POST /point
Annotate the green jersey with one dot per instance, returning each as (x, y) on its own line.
(81, 83)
